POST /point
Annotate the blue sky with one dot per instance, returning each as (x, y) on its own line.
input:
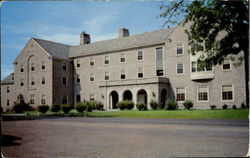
(64, 21)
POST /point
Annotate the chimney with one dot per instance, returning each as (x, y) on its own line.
(123, 32)
(84, 38)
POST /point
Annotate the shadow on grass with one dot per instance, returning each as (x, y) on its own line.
(8, 140)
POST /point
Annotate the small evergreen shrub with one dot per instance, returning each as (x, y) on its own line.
(99, 106)
(89, 108)
(120, 105)
(66, 108)
(43, 108)
(188, 104)
(243, 106)
(234, 107)
(126, 104)
(224, 106)
(154, 105)
(141, 106)
(213, 107)
(170, 104)
(55, 107)
(21, 107)
(80, 107)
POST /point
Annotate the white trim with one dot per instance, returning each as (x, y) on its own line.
(121, 74)
(90, 77)
(90, 62)
(230, 62)
(184, 94)
(44, 99)
(197, 92)
(105, 75)
(142, 55)
(176, 47)
(183, 72)
(124, 57)
(232, 92)
(108, 59)
(142, 72)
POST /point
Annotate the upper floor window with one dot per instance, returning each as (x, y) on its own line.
(21, 82)
(194, 66)
(123, 74)
(180, 68)
(227, 92)
(21, 69)
(179, 49)
(159, 62)
(32, 67)
(64, 66)
(226, 64)
(180, 94)
(78, 63)
(92, 77)
(201, 66)
(64, 81)
(202, 93)
(43, 99)
(92, 62)
(8, 89)
(43, 65)
(140, 72)
(106, 60)
(92, 96)
(32, 81)
(106, 76)
(123, 58)
(140, 55)
(43, 80)
(78, 98)
(78, 79)
(32, 99)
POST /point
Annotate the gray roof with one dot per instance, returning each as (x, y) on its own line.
(7, 79)
(123, 43)
(57, 50)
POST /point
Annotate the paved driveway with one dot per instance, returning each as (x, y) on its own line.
(124, 138)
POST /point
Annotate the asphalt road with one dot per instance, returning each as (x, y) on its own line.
(124, 138)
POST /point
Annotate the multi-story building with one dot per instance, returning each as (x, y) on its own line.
(144, 67)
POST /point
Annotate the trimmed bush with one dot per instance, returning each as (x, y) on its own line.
(154, 105)
(55, 107)
(21, 107)
(188, 104)
(224, 106)
(66, 108)
(141, 106)
(170, 104)
(80, 107)
(213, 107)
(234, 107)
(127, 104)
(120, 105)
(99, 106)
(43, 108)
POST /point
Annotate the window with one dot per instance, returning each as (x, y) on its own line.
(202, 93)
(8, 89)
(32, 67)
(78, 63)
(92, 62)
(21, 82)
(106, 76)
(140, 55)
(12, 77)
(106, 60)
(65, 99)
(32, 99)
(78, 98)
(43, 65)
(140, 72)
(64, 81)
(179, 49)
(226, 65)
(201, 66)
(92, 96)
(64, 66)
(122, 58)
(43, 80)
(159, 62)
(92, 77)
(194, 66)
(180, 94)
(227, 92)
(32, 81)
(180, 68)
(21, 69)
(123, 74)
(78, 79)
(43, 99)
(8, 102)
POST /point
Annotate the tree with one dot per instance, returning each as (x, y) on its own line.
(208, 19)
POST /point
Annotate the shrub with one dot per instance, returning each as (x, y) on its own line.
(126, 104)
(188, 104)
(141, 106)
(121, 105)
(80, 107)
(234, 107)
(43, 108)
(154, 105)
(170, 104)
(66, 108)
(213, 107)
(224, 106)
(21, 107)
(99, 106)
(55, 107)
(89, 108)
(243, 106)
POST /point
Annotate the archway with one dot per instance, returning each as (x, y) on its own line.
(163, 97)
(113, 99)
(127, 95)
(142, 97)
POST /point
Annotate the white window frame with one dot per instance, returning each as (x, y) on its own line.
(41, 100)
(105, 59)
(91, 61)
(232, 92)
(32, 95)
(176, 48)
(207, 94)
(183, 72)
(142, 55)
(43, 64)
(138, 72)
(184, 94)
(124, 74)
(125, 57)
(105, 75)
(90, 77)
(230, 62)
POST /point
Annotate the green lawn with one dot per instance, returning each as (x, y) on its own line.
(184, 114)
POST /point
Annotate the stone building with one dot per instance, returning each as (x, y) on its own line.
(144, 67)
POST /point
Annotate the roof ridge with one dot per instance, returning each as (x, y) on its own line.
(51, 41)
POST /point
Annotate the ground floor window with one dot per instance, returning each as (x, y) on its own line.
(202, 93)
(78, 98)
(43, 99)
(180, 94)
(227, 92)
(92, 96)
(32, 99)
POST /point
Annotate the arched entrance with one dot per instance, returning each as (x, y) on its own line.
(113, 99)
(142, 97)
(163, 98)
(127, 95)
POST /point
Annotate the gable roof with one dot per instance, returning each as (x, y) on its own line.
(57, 50)
(7, 80)
(123, 43)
